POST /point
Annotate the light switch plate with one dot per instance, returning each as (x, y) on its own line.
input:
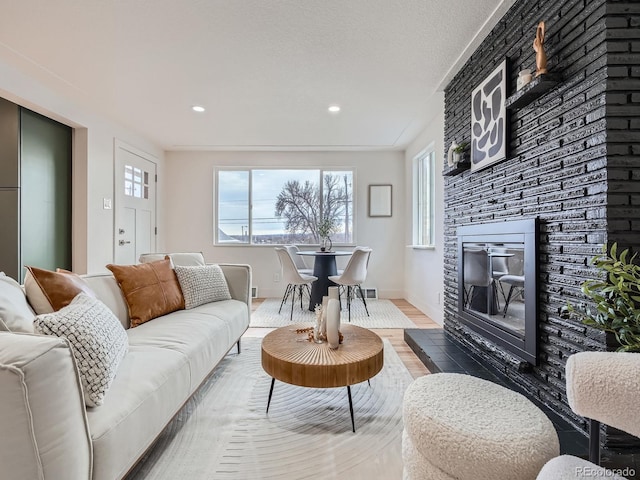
(106, 203)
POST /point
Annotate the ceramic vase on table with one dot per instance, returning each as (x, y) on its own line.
(334, 294)
(323, 322)
(333, 323)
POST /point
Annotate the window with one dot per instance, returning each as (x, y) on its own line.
(136, 182)
(423, 198)
(281, 206)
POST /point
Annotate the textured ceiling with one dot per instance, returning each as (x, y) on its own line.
(266, 70)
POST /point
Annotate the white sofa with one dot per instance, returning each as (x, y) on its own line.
(46, 432)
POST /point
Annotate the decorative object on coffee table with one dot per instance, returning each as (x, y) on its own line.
(333, 323)
(317, 328)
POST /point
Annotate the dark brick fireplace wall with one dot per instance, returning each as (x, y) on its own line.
(573, 161)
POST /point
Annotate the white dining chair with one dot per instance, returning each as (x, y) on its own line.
(354, 275)
(298, 261)
(296, 282)
(516, 287)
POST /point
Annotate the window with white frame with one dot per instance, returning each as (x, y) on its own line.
(136, 182)
(423, 198)
(282, 206)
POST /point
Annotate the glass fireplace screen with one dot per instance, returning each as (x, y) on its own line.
(494, 284)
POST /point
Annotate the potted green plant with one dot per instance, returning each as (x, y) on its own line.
(615, 298)
(325, 228)
(457, 153)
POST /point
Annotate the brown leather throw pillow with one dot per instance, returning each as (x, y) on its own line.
(150, 289)
(49, 291)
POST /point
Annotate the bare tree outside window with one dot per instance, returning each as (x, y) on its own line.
(303, 211)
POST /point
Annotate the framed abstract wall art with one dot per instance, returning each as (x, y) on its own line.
(489, 120)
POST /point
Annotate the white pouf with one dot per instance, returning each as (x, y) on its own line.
(567, 467)
(461, 427)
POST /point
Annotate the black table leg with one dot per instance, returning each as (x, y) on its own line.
(323, 267)
(353, 423)
(273, 381)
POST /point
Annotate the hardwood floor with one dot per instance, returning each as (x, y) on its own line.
(394, 335)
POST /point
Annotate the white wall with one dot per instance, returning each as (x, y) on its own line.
(423, 269)
(189, 211)
(93, 151)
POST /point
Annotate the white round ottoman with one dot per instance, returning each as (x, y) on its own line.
(460, 427)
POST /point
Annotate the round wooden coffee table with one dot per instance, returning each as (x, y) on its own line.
(287, 356)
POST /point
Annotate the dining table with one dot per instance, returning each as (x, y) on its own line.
(324, 266)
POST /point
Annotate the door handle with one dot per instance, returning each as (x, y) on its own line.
(123, 242)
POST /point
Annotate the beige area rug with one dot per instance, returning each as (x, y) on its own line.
(224, 433)
(382, 314)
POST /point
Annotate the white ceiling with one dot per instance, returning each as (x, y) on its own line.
(266, 70)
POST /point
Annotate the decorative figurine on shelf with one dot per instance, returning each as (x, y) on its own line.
(538, 46)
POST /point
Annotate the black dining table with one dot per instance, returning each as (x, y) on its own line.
(324, 265)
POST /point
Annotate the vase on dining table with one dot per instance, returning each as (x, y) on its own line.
(325, 244)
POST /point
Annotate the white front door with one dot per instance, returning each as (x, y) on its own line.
(135, 209)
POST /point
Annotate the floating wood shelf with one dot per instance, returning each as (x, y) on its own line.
(532, 91)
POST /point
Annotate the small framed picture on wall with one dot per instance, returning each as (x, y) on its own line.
(380, 204)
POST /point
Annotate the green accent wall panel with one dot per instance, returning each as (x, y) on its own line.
(10, 233)
(45, 177)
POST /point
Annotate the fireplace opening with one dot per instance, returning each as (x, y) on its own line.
(497, 284)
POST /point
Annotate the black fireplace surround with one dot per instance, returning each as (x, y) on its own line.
(498, 273)
(572, 161)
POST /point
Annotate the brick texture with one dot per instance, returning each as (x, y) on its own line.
(573, 161)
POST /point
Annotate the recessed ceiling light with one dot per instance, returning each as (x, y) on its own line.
(334, 108)
(197, 108)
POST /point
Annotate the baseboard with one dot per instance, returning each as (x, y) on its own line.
(434, 312)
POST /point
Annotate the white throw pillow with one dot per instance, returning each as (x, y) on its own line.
(186, 259)
(15, 314)
(98, 342)
(202, 284)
